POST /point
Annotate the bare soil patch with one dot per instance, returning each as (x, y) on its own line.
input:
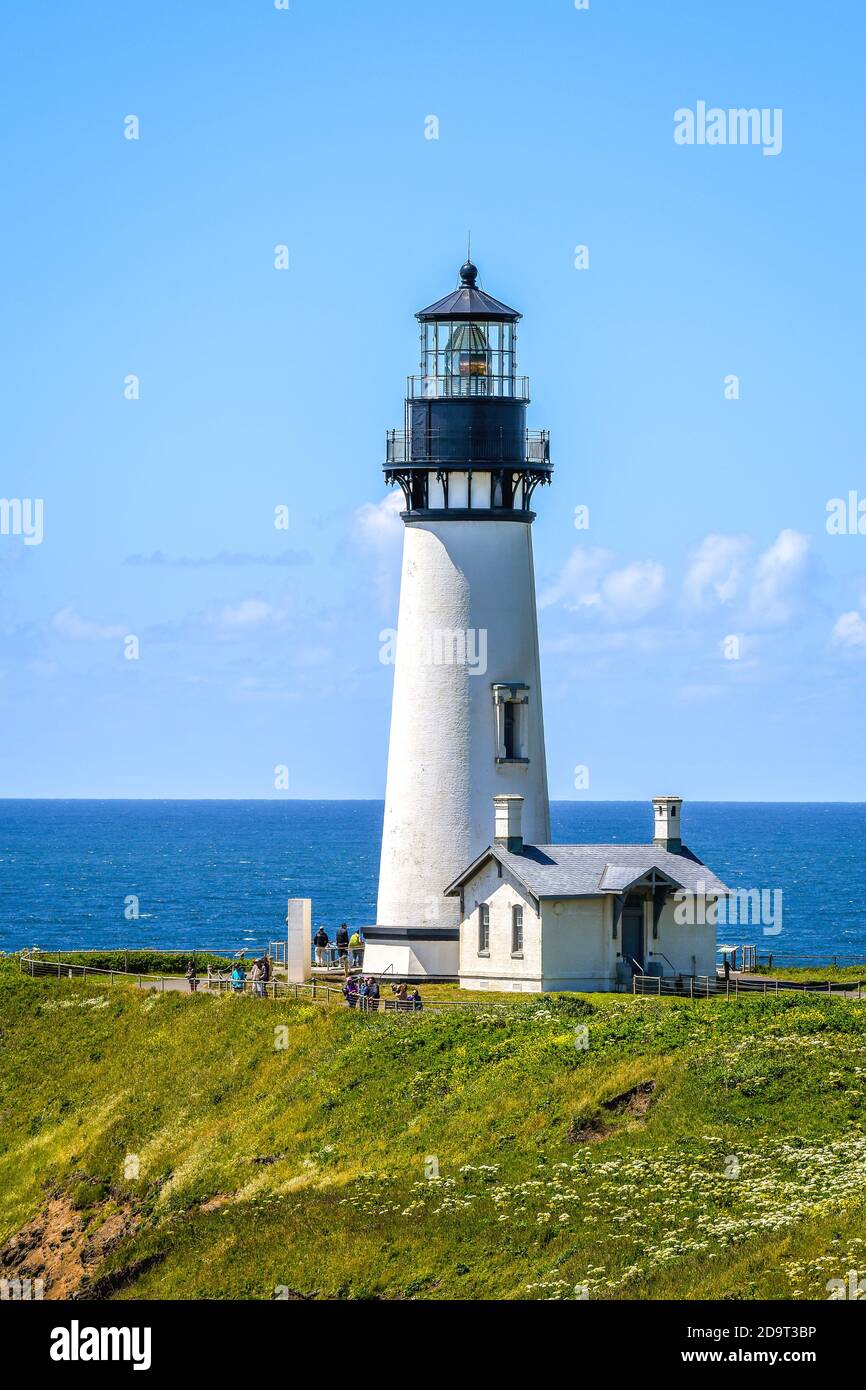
(63, 1246)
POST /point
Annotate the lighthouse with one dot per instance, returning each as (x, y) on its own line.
(466, 717)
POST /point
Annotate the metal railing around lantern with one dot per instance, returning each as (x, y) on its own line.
(472, 448)
(454, 384)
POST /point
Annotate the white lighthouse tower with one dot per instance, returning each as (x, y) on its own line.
(466, 721)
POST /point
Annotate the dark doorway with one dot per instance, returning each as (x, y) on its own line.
(632, 932)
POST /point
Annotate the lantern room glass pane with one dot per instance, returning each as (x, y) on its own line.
(468, 357)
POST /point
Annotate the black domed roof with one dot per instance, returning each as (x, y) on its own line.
(469, 302)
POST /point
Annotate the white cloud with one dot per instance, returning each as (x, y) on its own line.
(67, 622)
(577, 584)
(378, 528)
(634, 591)
(849, 630)
(378, 524)
(778, 578)
(588, 581)
(766, 591)
(717, 570)
(250, 612)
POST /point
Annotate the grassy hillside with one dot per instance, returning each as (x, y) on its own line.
(172, 1146)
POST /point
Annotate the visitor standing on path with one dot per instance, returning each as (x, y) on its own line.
(343, 944)
(191, 976)
(321, 942)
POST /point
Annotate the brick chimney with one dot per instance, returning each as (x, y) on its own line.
(508, 808)
(667, 830)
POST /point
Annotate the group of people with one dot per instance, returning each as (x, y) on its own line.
(260, 974)
(359, 991)
(362, 992)
(350, 949)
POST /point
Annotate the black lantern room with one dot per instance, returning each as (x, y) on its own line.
(465, 449)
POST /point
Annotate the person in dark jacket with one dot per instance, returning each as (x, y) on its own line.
(321, 941)
(343, 944)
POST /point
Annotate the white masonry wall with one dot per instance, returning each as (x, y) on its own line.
(499, 970)
(571, 945)
(690, 948)
(579, 950)
(299, 952)
(474, 579)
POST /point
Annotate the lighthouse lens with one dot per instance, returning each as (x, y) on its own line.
(468, 351)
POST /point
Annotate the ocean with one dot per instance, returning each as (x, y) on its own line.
(217, 873)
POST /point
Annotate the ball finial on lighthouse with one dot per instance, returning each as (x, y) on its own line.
(468, 274)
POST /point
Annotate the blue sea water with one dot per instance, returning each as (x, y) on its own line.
(218, 873)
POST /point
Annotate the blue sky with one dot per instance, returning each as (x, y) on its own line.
(262, 387)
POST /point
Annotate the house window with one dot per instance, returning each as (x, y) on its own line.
(483, 929)
(517, 931)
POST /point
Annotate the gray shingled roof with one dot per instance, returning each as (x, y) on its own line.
(589, 871)
(468, 302)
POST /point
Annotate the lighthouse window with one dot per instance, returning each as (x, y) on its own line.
(483, 929)
(511, 704)
(517, 931)
(419, 489)
(508, 725)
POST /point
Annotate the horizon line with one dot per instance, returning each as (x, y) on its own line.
(374, 800)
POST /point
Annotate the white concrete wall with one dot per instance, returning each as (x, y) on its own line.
(501, 894)
(410, 958)
(578, 947)
(571, 945)
(442, 774)
(690, 949)
(299, 939)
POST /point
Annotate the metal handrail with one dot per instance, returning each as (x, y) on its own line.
(42, 965)
(312, 989)
(670, 962)
(453, 386)
(475, 446)
(703, 986)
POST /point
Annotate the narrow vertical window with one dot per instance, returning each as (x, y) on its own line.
(511, 703)
(508, 728)
(483, 929)
(517, 931)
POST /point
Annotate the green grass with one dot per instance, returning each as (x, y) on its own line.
(468, 1154)
(850, 973)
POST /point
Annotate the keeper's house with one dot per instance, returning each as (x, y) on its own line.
(584, 917)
